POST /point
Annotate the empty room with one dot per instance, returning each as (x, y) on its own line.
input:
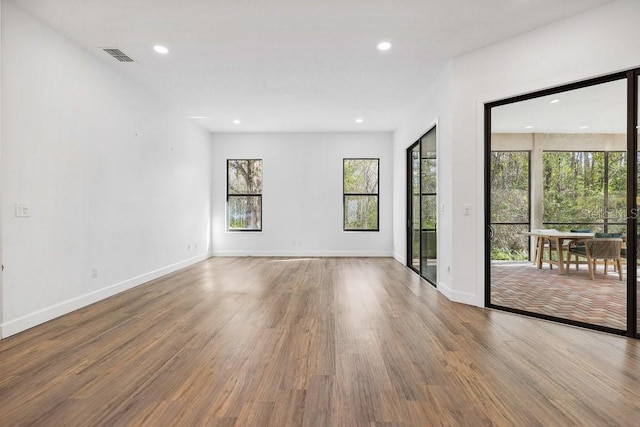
(319, 213)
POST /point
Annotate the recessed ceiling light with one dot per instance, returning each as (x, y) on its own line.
(236, 122)
(584, 127)
(554, 101)
(161, 49)
(384, 46)
(528, 127)
(359, 120)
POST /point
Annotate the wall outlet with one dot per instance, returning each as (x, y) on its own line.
(94, 273)
(467, 209)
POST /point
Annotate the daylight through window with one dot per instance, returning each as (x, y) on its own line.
(361, 207)
(244, 195)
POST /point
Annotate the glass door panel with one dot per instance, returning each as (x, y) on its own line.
(637, 217)
(429, 209)
(414, 207)
(559, 162)
(422, 207)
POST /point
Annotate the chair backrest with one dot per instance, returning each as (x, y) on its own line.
(608, 235)
(607, 248)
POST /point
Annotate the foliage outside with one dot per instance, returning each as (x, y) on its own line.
(361, 194)
(575, 186)
(244, 183)
(424, 203)
(578, 192)
(509, 204)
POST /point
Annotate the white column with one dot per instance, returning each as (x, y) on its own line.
(537, 186)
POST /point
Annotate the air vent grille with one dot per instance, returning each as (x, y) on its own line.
(119, 55)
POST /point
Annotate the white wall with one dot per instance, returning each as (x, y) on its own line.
(117, 182)
(1, 190)
(438, 99)
(114, 179)
(302, 194)
(599, 42)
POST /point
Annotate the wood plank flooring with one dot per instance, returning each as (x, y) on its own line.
(311, 342)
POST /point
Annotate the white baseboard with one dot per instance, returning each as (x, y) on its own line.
(378, 254)
(401, 258)
(33, 319)
(456, 296)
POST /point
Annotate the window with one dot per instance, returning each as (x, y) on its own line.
(510, 205)
(244, 195)
(596, 184)
(361, 194)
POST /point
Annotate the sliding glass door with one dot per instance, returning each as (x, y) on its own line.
(558, 226)
(635, 131)
(422, 207)
(413, 235)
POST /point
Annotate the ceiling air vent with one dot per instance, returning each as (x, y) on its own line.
(119, 55)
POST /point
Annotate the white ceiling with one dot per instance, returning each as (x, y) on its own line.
(595, 109)
(293, 65)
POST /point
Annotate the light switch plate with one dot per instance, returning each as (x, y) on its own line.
(23, 210)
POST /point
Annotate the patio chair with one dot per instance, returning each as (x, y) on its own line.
(576, 261)
(599, 249)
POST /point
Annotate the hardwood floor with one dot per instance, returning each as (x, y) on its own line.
(317, 342)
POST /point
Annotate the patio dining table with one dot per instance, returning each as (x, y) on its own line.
(559, 237)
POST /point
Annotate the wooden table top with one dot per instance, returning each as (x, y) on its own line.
(559, 234)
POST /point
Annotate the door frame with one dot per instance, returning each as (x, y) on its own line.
(631, 77)
(409, 194)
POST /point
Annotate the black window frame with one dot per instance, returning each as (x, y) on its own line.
(605, 221)
(240, 195)
(345, 194)
(631, 77)
(513, 223)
